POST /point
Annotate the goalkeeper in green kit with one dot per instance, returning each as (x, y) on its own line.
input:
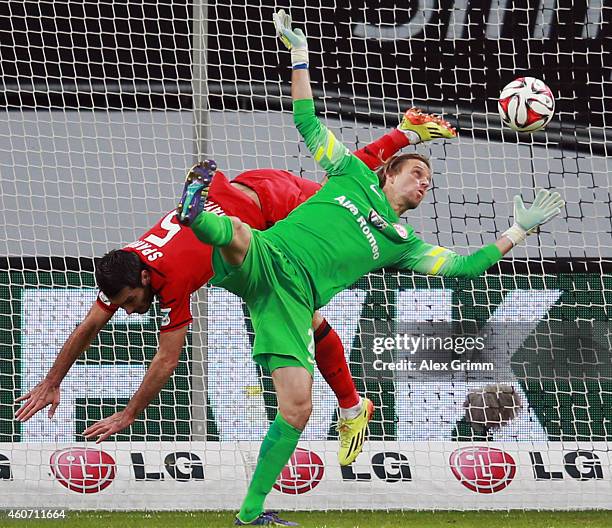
(349, 228)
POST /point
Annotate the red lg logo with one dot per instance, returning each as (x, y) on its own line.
(302, 473)
(83, 470)
(483, 469)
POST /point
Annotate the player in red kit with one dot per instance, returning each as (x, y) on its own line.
(170, 263)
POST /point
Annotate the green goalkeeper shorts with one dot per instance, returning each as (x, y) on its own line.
(279, 302)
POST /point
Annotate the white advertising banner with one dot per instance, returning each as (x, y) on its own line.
(387, 475)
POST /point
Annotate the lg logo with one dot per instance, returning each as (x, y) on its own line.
(303, 473)
(5, 468)
(578, 465)
(388, 466)
(182, 466)
(83, 470)
(483, 469)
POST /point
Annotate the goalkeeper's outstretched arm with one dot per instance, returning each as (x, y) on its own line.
(331, 155)
(436, 260)
(295, 41)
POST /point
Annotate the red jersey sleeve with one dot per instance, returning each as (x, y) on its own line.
(104, 302)
(176, 313)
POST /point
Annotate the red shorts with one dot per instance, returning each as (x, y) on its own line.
(233, 202)
(279, 191)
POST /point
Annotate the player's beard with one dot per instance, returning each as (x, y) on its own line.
(148, 301)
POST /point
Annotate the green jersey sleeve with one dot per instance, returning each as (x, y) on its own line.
(328, 152)
(436, 260)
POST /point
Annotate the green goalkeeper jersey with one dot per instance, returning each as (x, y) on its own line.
(348, 228)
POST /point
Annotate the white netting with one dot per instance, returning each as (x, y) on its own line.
(105, 104)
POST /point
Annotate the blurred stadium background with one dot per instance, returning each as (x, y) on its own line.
(106, 103)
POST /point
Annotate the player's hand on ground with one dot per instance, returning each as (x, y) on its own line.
(293, 39)
(420, 126)
(108, 426)
(38, 398)
(546, 206)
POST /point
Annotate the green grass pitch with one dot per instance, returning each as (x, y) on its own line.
(331, 519)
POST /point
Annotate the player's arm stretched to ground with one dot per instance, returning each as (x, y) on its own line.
(47, 392)
(436, 260)
(163, 365)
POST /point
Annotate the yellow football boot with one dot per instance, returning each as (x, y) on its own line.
(426, 126)
(353, 433)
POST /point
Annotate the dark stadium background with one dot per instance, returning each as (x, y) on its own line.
(137, 54)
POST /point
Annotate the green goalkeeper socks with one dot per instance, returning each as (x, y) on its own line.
(278, 445)
(213, 229)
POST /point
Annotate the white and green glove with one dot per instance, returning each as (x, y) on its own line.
(545, 206)
(293, 39)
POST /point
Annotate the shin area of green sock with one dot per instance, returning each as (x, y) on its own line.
(213, 229)
(278, 446)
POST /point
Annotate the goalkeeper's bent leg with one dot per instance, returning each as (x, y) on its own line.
(227, 232)
(213, 229)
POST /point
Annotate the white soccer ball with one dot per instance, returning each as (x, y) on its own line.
(526, 104)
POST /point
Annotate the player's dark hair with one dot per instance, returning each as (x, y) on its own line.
(118, 269)
(394, 165)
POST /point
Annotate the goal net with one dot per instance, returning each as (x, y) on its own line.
(105, 105)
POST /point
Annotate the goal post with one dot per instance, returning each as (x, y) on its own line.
(201, 123)
(106, 105)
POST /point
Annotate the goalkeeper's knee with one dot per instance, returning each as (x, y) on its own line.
(213, 229)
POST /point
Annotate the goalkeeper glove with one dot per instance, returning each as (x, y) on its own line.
(545, 206)
(294, 40)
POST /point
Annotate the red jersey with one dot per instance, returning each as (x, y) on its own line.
(279, 191)
(180, 264)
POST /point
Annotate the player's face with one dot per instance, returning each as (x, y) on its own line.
(410, 185)
(135, 300)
